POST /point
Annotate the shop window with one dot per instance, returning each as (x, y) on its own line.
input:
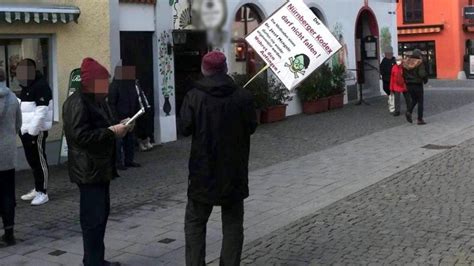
(412, 11)
(12, 51)
(247, 19)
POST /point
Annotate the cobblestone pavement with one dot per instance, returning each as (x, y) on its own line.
(423, 215)
(148, 203)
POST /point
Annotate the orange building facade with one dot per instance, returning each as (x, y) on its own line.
(442, 30)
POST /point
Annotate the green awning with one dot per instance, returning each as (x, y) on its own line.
(30, 13)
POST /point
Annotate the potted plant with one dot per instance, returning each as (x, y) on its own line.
(313, 92)
(258, 88)
(275, 109)
(338, 73)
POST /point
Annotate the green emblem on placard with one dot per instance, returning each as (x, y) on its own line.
(74, 81)
(74, 85)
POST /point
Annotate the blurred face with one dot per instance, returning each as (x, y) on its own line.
(388, 55)
(125, 73)
(25, 74)
(99, 88)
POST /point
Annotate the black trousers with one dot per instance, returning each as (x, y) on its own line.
(398, 101)
(94, 213)
(7, 198)
(417, 97)
(126, 149)
(386, 87)
(197, 215)
(35, 154)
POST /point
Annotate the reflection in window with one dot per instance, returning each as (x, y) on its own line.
(246, 60)
(12, 51)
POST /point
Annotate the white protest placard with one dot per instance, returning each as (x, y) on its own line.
(293, 42)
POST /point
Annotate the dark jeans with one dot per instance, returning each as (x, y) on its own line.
(386, 87)
(7, 198)
(126, 149)
(197, 215)
(398, 101)
(35, 154)
(94, 212)
(417, 97)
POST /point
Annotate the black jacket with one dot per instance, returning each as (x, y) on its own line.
(91, 145)
(123, 98)
(386, 68)
(414, 71)
(220, 116)
(37, 91)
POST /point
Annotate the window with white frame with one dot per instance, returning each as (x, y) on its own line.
(14, 48)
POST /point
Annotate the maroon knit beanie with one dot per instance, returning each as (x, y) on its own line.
(213, 63)
(92, 70)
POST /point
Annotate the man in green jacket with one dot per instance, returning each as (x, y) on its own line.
(415, 76)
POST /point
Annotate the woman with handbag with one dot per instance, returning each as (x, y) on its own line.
(10, 124)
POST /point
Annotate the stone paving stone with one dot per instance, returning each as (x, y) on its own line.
(64, 259)
(129, 259)
(420, 193)
(151, 195)
(22, 260)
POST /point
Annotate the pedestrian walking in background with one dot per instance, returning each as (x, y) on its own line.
(415, 76)
(398, 86)
(91, 137)
(124, 102)
(220, 116)
(10, 125)
(37, 111)
(386, 72)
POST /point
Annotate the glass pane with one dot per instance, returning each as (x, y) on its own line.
(18, 49)
(417, 4)
(246, 60)
(418, 15)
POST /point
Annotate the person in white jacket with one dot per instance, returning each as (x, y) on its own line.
(37, 115)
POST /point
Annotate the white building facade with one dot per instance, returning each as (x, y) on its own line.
(168, 25)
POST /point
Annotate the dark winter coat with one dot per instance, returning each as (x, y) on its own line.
(91, 145)
(123, 98)
(386, 68)
(414, 71)
(220, 116)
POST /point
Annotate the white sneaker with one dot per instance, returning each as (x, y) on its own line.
(30, 195)
(142, 146)
(148, 144)
(40, 199)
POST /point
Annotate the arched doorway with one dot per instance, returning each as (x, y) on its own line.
(246, 60)
(367, 52)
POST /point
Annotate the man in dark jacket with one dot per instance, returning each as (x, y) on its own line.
(37, 112)
(220, 116)
(415, 76)
(386, 72)
(90, 134)
(123, 100)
